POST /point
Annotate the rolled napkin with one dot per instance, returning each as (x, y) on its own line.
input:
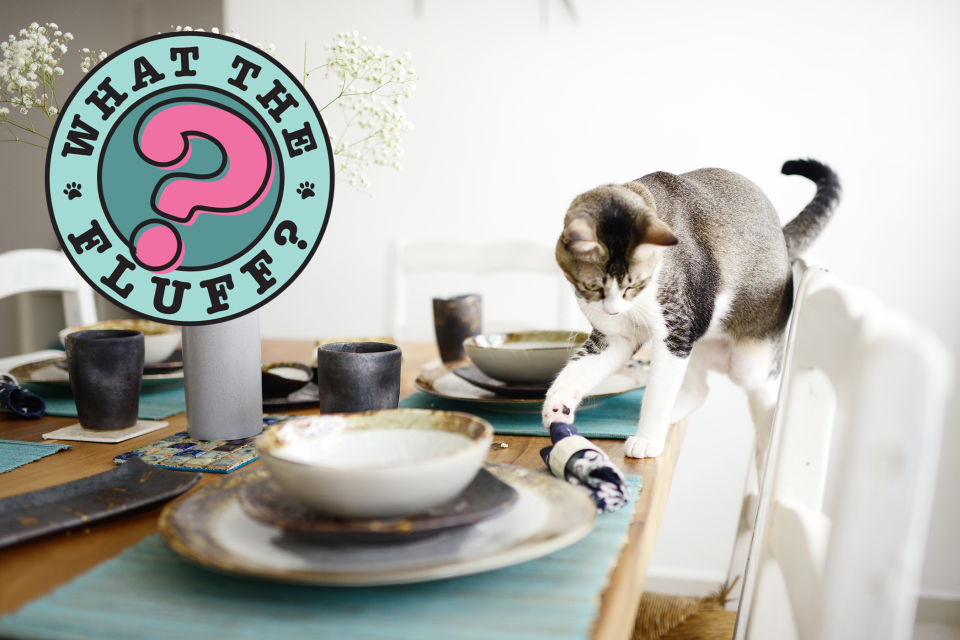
(18, 400)
(580, 462)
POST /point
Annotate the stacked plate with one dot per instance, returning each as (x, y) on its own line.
(376, 498)
(508, 515)
(511, 372)
(51, 375)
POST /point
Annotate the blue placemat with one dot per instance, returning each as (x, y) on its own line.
(14, 453)
(616, 418)
(153, 406)
(149, 593)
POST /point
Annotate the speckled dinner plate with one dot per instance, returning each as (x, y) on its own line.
(209, 528)
(443, 383)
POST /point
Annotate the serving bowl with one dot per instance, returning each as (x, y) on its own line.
(280, 379)
(159, 340)
(378, 464)
(524, 357)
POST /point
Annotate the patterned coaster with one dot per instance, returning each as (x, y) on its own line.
(78, 433)
(180, 452)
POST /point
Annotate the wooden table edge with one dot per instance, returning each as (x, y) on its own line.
(620, 601)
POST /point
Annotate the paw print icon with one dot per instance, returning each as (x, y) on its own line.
(306, 190)
(73, 190)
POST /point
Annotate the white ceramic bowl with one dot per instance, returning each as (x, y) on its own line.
(159, 340)
(379, 464)
(525, 357)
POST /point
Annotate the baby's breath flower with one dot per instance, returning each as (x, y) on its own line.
(29, 70)
(372, 84)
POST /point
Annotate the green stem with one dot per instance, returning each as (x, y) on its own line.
(342, 86)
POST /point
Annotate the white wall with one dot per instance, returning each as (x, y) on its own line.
(513, 121)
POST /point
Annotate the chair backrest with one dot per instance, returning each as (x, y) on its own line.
(424, 258)
(27, 270)
(845, 500)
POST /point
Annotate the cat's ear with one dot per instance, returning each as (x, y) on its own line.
(580, 238)
(658, 232)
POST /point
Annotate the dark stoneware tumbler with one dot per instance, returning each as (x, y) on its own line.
(455, 320)
(358, 376)
(106, 368)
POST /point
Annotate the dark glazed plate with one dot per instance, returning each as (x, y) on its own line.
(134, 485)
(171, 364)
(263, 499)
(174, 362)
(278, 386)
(308, 394)
(473, 375)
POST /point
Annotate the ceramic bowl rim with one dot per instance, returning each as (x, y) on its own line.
(573, 341)
(171, 328)
(267, 441)
(389, 349)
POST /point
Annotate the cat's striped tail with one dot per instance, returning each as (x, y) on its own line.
(804, 229)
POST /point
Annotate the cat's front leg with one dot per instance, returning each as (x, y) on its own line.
(666, 376)
(599, 356)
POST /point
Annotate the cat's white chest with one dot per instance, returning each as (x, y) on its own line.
(641, 321)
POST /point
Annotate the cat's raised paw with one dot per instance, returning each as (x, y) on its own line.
(557, 408)
(637, 447)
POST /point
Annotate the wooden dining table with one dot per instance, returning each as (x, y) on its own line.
(31, 569)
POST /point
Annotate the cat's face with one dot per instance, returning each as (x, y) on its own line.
(611, 245)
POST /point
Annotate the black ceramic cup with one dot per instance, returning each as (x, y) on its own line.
(455, 320)
(106, 368)
(358, 376)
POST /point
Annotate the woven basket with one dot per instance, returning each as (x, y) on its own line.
(663, 617)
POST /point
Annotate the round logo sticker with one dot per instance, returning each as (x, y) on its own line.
(189, 178)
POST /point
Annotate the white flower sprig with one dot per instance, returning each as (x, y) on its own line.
(372, 84)
(90, 59)
(28, 76)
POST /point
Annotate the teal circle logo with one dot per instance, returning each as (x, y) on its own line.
(189, 178)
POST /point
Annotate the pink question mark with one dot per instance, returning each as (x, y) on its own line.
(180, 197)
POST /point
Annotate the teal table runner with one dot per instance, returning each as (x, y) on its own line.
(14, 453)
(153, 406)
(616, 418)
(150, 593)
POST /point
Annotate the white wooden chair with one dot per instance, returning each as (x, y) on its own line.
(845, 501)
(426, 258)
(27, 270)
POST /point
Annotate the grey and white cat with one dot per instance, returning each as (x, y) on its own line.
(696, 264)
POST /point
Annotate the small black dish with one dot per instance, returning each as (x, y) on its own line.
(262, 499)
(478, 378)
(277, 386)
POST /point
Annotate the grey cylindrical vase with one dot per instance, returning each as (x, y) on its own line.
(221, 377)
